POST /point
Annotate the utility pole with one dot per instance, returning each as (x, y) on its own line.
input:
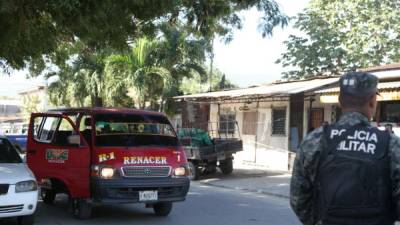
(211, 63)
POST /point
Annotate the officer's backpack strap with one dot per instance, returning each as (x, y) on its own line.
(323, 154)
(325, 150)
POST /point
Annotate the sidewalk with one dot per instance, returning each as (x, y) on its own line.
(274, 183)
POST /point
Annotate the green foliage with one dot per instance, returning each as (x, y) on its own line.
(32, 31)
(146, 76)
(136, 70)
(342, 36)
(225, 84)
(80, 80)
(120, 53)
(195, 85)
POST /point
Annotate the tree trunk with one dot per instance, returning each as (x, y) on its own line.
(162, 104)
(97, 101)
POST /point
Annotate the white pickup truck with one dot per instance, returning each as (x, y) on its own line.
(18, 187)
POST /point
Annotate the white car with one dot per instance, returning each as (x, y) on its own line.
(18, 187)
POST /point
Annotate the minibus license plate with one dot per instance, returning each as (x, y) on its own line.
(148, 196)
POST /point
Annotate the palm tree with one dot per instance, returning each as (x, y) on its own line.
(183, 56)
(139, 71)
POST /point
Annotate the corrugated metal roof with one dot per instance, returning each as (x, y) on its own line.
(393, 74)
(381, 86)
(278, 89)
(392, 66)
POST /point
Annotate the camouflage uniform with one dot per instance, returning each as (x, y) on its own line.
(304, 171)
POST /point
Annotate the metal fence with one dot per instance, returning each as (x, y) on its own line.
(220, 129)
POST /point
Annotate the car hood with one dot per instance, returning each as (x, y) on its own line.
(11, 173)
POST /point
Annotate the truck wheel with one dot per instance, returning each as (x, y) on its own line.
(193, 171)
(82, 209)
(48, 196)
(211, 168)
(26, 220)
(226, 166)
(163, 208)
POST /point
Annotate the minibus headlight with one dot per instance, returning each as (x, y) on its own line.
(180, 171)
(25, 186)
(106, 172)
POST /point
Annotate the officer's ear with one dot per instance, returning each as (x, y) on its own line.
(372, 101)
(340, 100)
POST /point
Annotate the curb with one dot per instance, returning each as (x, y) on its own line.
(259, 191)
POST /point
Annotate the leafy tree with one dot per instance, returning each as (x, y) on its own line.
(183, 56)
(195, 85)
(80, 81)
(225, 84)
(151, 71)
(32, 31)
(341, 36)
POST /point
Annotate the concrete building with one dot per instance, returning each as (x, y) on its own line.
(10, 114)
(271, 119)
(36, 97)
(14, 113)
(388, 108)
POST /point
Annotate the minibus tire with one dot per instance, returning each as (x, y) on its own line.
(162, 208)
(82, 209)
(48, 196)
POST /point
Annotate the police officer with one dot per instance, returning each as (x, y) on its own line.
(348, 173)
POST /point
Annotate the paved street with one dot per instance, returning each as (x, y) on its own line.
(205, 205)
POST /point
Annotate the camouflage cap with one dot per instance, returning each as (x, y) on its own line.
(358, 84)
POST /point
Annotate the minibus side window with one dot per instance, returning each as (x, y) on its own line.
(64, 131)
(46, 133)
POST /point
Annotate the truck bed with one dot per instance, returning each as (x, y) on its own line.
(220, 148)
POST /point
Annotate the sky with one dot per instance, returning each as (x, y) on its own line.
(248, 60)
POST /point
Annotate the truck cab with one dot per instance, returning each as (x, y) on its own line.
(109, 156)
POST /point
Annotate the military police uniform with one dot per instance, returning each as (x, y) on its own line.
(348, 173)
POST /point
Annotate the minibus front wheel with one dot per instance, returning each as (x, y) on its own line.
(162, 208)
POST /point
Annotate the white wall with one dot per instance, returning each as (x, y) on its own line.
(264, 149)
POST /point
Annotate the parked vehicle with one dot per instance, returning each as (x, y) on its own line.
(205, 153)
(18, 187)
(107, 155)
(19, 141)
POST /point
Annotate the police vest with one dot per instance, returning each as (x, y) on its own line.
(353, 177)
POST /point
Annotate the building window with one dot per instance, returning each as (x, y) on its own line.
(227, 123)
(389, 112)
(249, 123)
(279, 121)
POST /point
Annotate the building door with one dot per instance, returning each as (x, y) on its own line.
(317, 118)
(296, 120)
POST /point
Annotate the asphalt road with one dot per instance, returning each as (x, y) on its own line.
(204, 205)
